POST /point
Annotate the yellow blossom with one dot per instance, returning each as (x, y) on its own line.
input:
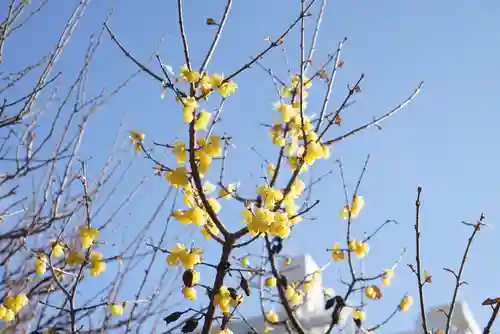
(373, 292)
(216, 80)
(178, 178)
(405, 303)
(41, 264)
(189, 75)
(357, 204)
(285, 91)
(137, 139)
(328, 292)
(245, 262)
(286, 110)
(214, 203)
(179, 151)
(270, 168)
(359, 247)
(388, 276)
(337, 253)
(227, 88)
(189, 105)
(116, 309)
(57, 248)
(6, 314)
(97, 264)
(359, 315)
(272, 317)
(189, 293)
(226, 193)
(223, 299)
(88, 236)
(202, 120)
(270, 281)
(74, 258)
(287, 261)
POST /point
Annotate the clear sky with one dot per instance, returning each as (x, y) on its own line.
(444, 140)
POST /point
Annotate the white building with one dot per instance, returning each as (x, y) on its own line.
(315, 319)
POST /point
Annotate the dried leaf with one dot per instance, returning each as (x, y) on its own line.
(323, 74)
(338, 120)
(211, 22)
(340, 64)
(491, 301)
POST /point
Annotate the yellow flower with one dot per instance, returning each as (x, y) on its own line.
(373, 292)
(41, 264)
(271, 317)
(359, 247)
(15, 303)
(214, 204)
(202, 120)
(116, 309)
(405, 303)
(97, 265)
(388, 276)
(223, 299)
(359, 315)
(214, 146)
(337, 253)
(74, 258)
(189, 105)
(286, 110)
(179, 152)
(178, 178)
(222, 331)
(216, 80)
(226, 193)
(189, 75)
(287, 261)
(209, 227)
(189, 293)
(245, 262)
(357, 204)
(285, 91)
(270, 168)
(6, 314)
(270, 281)
(137, 139)
(88, 236)
(208, 187)
(227, 88)
(57, 249)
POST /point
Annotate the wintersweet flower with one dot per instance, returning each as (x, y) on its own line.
(179, 151)
(227, 88)
(97, 264)
(202, 120)
(245, 262)
(137, 139)
(272, 317)
(337, 253)
(189, 105)
(216, 80)
(270, 281)
(6, 314)
(373, 292)
(189, 293)
(359, 247)
(178, 178)
(286, 110)
(116, 309)
(405, 303)
(359, 315)
(208, 229)
(74, 258)
(388, 276)
(57, 248)
(226, 192)
(223, 299)
(41, 264)
(189, 75)
(357, 204)
(88, 236)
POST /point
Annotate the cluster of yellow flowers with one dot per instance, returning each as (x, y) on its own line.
(224, 299)
(137, 139)
(207, 83)
(188, 258)
(357, 204)
(293, 127)
(88, 235)
(293, 295)
(271, 317)
(12, 305)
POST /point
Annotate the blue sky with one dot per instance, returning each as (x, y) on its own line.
(444, 140)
